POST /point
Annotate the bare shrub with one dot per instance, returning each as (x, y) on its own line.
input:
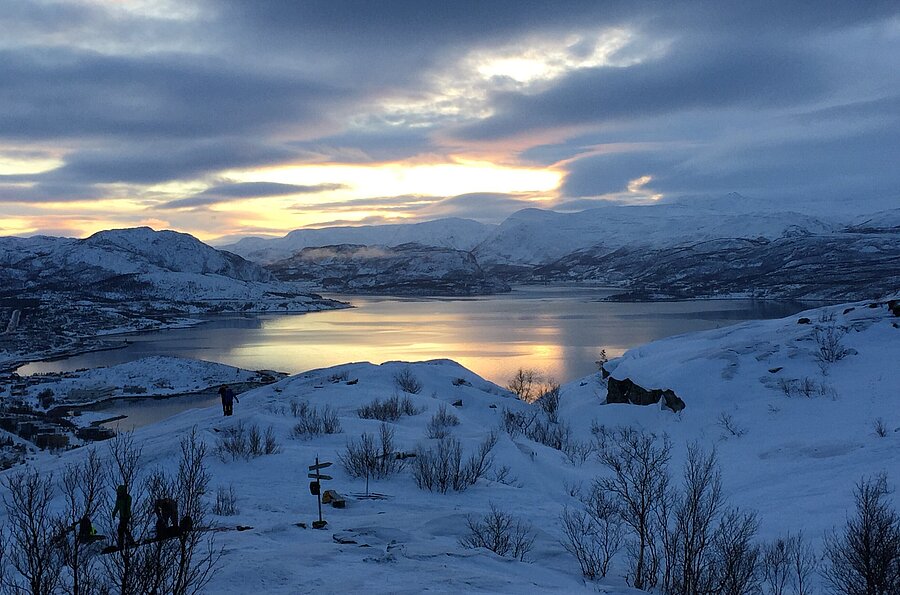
(881, 429)
(516, 422)
(578, 540)
(246, 441)
(406, 381)
(603, 521)
(578, 451)
(524, 384)
(440, 423)
(638, 462)
(501, 533)
(776, 566)
(555, 435)
(389, 410)
(226, 501)
(805, 387)
(864, 558)
(339, 377)
(503, 474)
(730, 427)
(736, 556)
(829, 343)
(803, 564)
(369, 458)
(548, 399)
(82, 490)
(313, 421)
(32, 538)
(441, 468)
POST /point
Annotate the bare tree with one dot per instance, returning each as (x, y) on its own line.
(864, 559)
(501, 533)
(524, 384)
(803, 564)
(82, 487)
(696, 511)
(736, 556)
(777, 565)
(639, 464)
(33, 541)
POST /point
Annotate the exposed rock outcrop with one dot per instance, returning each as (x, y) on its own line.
(626, 391)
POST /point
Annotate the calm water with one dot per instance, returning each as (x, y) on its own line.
(559, 331)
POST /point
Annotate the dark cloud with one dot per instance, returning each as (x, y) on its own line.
(692, 77)
(244, 190)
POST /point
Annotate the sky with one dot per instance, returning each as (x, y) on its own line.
(229, 118)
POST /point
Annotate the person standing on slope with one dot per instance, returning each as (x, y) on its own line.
(123, 510)
(228, 399)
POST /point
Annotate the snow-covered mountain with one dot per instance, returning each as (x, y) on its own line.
(833, 266)
(407, 269)
(535, 236)
(792, 435)
(51, 262)
(453, 233)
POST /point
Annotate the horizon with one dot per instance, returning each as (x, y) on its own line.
(228, 120)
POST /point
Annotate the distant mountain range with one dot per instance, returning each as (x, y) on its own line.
(728, 245)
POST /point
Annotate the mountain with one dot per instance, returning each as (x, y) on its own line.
(534, 236)
(407, 269)
(835, 266)
(65, 263)
(453, 233)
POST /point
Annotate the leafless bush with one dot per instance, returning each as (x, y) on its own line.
(501, 533)
(389, 410)
(776, 566)
(517, 422)
(339, 377)
(730, 427)
(555, 435)
(441, 468)
(82, 490)
(32, 550)
(246, 441)
(577, 451)
(406, 381)
(226, 501)
(524, 384)
(638, 462)
(548, 399)
(441, 422)
(366, 458)
(864, 558)
(578, 533)
(736, 556)
(312, 421)
(829, 343)
(593, 534)
(881, 429)
(803, 564)
(503, 474)
(805, 387)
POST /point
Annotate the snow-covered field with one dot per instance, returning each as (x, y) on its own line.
(804, 435)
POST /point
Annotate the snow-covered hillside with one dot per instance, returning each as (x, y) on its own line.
(454, 233)
(407, 269)
(793, 435)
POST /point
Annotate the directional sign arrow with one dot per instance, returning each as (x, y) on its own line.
(317, 476)
(320, 466)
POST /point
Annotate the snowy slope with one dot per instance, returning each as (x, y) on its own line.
(795, 463)
(454, 233)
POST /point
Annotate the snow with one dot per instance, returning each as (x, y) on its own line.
(795, 465)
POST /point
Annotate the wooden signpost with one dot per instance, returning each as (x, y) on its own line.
(315, 488)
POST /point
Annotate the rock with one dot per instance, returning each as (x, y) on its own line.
(848, 310)
(775, 370)
(894, 307)
(626, 391)
(457, 403)
(803, 320)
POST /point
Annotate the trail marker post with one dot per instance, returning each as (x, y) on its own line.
(316, 488)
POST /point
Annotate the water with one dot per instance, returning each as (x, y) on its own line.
(557, 330)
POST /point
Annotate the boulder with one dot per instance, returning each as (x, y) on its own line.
(626, 391)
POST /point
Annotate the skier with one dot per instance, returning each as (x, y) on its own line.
(123, 509)
(86, 531)
(228, 398)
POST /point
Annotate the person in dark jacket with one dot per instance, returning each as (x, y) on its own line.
(123, 511)
(166, 510)
(228, 399)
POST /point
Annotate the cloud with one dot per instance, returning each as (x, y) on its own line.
(242, 191)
